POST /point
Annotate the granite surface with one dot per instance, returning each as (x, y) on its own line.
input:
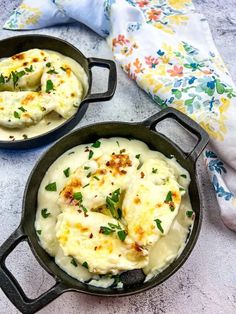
(207, 281)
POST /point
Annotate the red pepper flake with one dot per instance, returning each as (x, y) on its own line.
(108, 164)
(142, 175)
(91, 235)
(123, 171)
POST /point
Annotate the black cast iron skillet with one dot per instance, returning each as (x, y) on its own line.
(144, 131)
(14, 45)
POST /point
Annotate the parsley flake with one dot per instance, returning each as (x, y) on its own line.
(96, 144)
(90, 154)
(45, 213)
(16, 115)
(67, 172)
(49, 86)
(73, 262)
(95, 177)
(168, 197)
(138, 156)
(30, 69)
(189, 213)
(51, 187)
(183, 176)
(78, 196)
(85, 185)
(2, 79)
(122, 235)
(52, 71)
(22, 109)
(106, 230)
(39, 232)
(158, 223)
(48, 64)
(154, 170)
(85, 264)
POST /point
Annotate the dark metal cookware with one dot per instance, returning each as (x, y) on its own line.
(144, 131)
(14, 45)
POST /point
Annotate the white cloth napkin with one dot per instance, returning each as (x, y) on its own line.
(167, 48)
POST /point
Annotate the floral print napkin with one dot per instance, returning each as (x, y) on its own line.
(167, 48)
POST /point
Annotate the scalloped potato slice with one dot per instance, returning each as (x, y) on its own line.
(79, 235)
(20, 109)
(149, 209)
(98, 178)
(22, 71)
(66, 91)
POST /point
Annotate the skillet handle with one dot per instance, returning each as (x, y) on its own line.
(112, 79)
(10, 285)
(187, 123)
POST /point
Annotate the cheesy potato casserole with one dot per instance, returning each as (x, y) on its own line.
(39, 90)
(113, 206)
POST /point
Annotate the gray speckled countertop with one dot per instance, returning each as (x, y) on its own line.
(207, 281)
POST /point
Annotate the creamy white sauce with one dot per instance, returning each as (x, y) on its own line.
(51, 120)
(163, 253)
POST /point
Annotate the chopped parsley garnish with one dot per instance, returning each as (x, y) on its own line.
(16, 76)
(30, 69)
(113, 226)
(138, 156)
(158, 223)
(49, 86)
(86, 168)
(84, 209)
(154, 170)
(168, 197)
(85, 185)
(96, 144)
(63, 69)
(51, 187)
(73, 262)
(48, 64)
(119, 213)
(85, 264)
(67, 172)
(90, 154)
(16, 115)
(78, 196)
(22, 109)
(45, 213)
(2, 79)
(39, 232)
(122, 234)
(89, 175)
(106, 230)
(189, 213)
(95, 177)
(118, 143)
(183, 176)
(116, 279)
(181, 189)
(70, 153)
(112, 203)
(52, 71)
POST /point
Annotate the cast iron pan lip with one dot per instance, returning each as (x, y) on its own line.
(168, 272)
(75, 118)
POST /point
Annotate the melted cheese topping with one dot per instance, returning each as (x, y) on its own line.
(39, 90)
(113, 206)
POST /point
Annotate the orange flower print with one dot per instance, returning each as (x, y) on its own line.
(176, 71)
(127, 68)
(151, 62)
(143, 3)
(154, 15)
(120, 40)
(138, 66)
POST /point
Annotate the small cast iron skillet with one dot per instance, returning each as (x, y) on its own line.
(14, 45)
(144, 131)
